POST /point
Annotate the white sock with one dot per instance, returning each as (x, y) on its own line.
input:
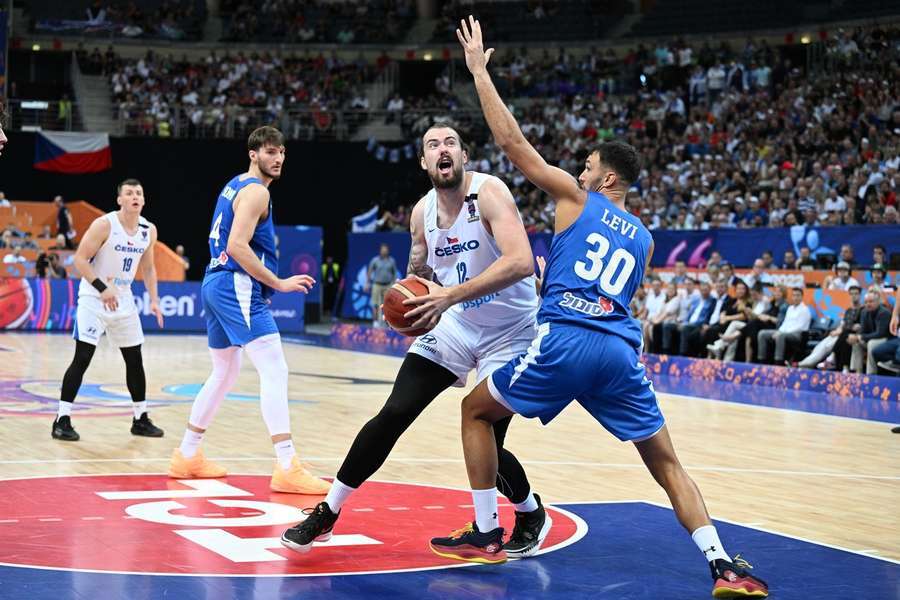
(486, 509)
(337, 495)
(285, 453)
(64, 410)
(267, 356)
(529, 505)
(707, 539)
(190, 443)
(139, 408)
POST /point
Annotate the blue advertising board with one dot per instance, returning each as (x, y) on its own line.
(300, 253)
(49, 304)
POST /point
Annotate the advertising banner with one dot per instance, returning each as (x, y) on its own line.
(49, 304)
(300, 253)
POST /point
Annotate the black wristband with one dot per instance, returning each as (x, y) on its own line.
(98, 285)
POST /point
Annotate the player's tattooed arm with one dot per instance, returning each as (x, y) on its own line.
(418, 251)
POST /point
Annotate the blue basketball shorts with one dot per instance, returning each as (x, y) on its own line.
(600, 371)
(236, 313)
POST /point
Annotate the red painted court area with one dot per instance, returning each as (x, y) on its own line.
(156, 525)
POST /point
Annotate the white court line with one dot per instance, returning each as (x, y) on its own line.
(552, 463)
(49, 519)
(213, 515)
(433, 507)
(9, 520)
(92, 518)
(363, 509)
(398, 508)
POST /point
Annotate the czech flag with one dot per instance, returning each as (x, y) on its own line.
(73, 153)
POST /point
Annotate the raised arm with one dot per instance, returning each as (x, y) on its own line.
(561, 186)
(418, 250)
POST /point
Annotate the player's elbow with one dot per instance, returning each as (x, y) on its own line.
(523, 266)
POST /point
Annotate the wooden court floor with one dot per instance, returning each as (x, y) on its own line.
(827, 479)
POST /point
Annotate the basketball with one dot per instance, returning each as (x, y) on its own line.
(394, 309)
(15, 302)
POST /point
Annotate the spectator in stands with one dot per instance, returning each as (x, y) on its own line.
(733, 319)
(759, 274)
(54, 268)
(887, 354)
(723, 304)
(805, 262)
(768, 260)
(14, 257)
(727, 273)
(3, 201)
(6, 239)
(879, 279)
(638, 303)
(842, 280)
(28, 242)
(770, 318)
(688, 295)
(879, 255)
(41, 265)
(789, 262)
(380, 276)
(61, 243)
(819, 355)
(680, 272)
(185, 262)
(796, 322)
(653, 306)
(331, 277)
(64, 224)
(46, 234)
(700, 309)
(846, 255)
(873, 330)
(669, 314)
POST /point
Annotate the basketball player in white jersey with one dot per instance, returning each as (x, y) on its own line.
(112, 250)
(467, 236)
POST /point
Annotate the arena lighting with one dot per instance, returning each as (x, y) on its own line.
(35, 104)
(36, 48)
(805, 38)
(427, 56)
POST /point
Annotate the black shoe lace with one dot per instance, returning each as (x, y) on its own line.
(314, 519)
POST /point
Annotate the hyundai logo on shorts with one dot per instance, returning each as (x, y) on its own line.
(428, 339)
(456, 248)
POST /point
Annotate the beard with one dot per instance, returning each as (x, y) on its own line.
(451, 182)
(268, 173)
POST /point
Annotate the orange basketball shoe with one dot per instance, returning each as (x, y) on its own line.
(297, 480)
(196, 467)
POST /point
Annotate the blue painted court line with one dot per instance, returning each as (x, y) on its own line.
(632, 551)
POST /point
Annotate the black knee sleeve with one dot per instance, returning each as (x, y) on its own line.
(418, 382)
(84, 352)
(134, 373)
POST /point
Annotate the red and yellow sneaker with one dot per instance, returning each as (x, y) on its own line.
(732, 580)
(471, 545)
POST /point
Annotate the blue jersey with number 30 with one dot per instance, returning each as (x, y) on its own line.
(594, 268)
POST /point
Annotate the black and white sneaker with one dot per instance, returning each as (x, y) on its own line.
(63, 430)
(529, 533)
(144, 427)
(316, 527)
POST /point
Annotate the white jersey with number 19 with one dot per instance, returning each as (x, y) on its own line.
(117, 259)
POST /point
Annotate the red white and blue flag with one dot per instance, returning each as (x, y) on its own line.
(69, 152)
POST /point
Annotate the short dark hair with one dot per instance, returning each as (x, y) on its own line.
(129, 181)
(443, 124)
(854, 287)
(622, 158)
(264, 136)
(879, 247)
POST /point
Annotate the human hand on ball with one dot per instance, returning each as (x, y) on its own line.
(427, 310)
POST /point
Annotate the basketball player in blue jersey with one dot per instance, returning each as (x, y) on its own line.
(588, 345)
(238, 282)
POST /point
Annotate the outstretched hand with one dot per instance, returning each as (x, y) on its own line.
(469, 35)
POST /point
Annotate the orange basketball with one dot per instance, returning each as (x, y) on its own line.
(394, 309)
(15, 302)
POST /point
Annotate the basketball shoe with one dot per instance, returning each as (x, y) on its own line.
(63, 430)
(471, 545)
(196, 467)
(529, 533)
(732, 580)
(145, 427)
(297, 480)
(316, 527)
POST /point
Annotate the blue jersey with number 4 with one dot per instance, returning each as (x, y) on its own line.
(262, 243)
(594, 268)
